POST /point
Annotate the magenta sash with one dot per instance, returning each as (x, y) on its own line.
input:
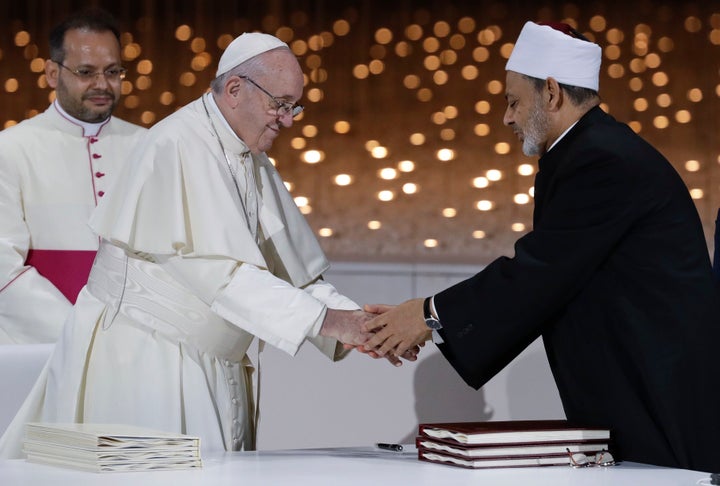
(68, 270)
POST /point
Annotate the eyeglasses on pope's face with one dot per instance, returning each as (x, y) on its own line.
(282, 107)
(88, 75)
(602, 459)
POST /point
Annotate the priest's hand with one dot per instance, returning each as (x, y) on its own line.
(396, 329)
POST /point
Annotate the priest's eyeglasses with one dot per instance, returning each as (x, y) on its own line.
(602, 458)
(87, 75)
(282, 107)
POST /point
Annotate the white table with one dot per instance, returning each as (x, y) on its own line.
(348, 467)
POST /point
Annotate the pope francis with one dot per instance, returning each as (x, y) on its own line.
(203, 251)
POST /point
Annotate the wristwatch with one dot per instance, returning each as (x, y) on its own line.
(430, 321)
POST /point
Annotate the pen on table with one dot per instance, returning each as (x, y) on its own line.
(389, 447)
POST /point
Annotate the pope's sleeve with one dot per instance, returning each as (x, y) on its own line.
(251, 298)
(32, 309)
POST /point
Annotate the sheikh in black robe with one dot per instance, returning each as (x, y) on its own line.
(616, 278)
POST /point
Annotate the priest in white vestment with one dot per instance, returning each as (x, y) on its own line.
(204, 250)
(54, 168)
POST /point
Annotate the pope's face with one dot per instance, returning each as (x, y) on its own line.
(525, 113)
(87, 100)
(259, 123)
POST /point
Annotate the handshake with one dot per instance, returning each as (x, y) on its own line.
(379, 330)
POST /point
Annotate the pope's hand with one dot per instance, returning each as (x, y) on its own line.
(346, 326)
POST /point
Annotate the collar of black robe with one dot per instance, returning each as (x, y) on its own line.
(548, 162)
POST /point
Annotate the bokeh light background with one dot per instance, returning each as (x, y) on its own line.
(401, 154)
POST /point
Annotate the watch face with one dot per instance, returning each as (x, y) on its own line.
(433, 323)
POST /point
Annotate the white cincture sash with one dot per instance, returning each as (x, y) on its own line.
(146, 295)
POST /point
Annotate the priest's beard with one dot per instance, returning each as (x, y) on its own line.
(535, 131)
(72, 103)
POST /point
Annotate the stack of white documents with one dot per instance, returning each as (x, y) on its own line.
(110, 447)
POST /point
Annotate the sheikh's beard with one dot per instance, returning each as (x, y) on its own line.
(535, 132)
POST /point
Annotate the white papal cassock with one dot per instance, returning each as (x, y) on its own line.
(181, 287)
(53, 171)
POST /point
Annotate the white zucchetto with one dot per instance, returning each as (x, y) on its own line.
(246, 46)
(543, 52)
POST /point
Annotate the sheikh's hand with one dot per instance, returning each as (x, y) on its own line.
(396, 329)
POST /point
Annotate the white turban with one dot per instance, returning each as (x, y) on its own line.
(244, 47)
(543, 52)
